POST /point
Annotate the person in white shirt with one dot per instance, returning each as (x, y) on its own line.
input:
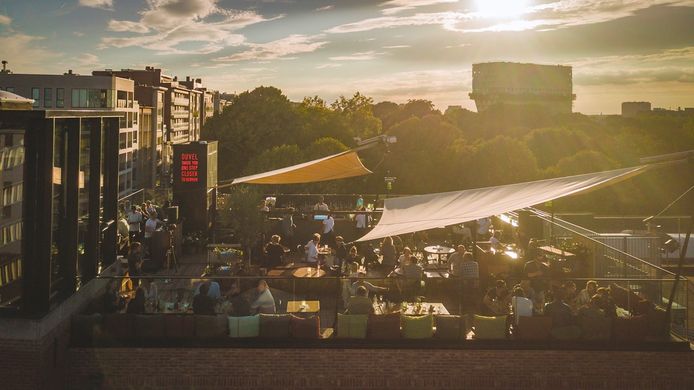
(328, 235)
(134, 221)
(361, 219)
(264, 302)
(150, 227)
(312, 249)
(495, 243)
(321, 205)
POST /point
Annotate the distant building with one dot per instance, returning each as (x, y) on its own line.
(508, 83)
(70, 91)
(220, 101)
(630, 109)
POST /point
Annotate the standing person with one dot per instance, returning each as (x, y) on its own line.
(388, 253)
(134, 221)
(329, 231)
(274, 252)
(288, 227)
(455, 261)
(404, 257)
(360, 202)
(362, 221)
(536, 271)
(152, 224)
(135, 263)
(150, 208)
(312, 249)
(341, 251)
(321, 205)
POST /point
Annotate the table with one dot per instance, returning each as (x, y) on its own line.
(303, 306)
(555, 251)
(439, 250)
(410, 308)
(308, 272)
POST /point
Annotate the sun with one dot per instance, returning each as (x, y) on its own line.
(501, 9)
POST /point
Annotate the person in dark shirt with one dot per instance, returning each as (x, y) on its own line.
(111, 299)
(202, 303)
(360, 304)
(137, 304)
(274, 252)
(559, 311)
(341, 251)
(240, 306)
(389, 254)
(135, 263)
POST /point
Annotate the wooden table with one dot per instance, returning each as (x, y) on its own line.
(303, 306)
(439, 250)
(555, 251)
(439, 308)
(308, 272)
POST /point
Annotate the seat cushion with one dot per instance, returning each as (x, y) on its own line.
(207, 327)
(449, 327)
(384, 326)
(632, 329)
(179, 326)
(120, 326)
(305, 328)
(595, 328)
(351, 326)
(490, 328)
(417, 327)
(86, 328)
(149, 326)
(533, 328)
(275, 325)
(248, 326)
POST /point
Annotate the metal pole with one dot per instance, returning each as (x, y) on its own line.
(680, 265)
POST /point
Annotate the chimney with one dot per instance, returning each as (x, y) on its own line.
(175, 78)
(4, 67)
(199, 81)
(187, 79)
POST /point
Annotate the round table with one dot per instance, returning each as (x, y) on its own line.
(308, 272)
(439, 250)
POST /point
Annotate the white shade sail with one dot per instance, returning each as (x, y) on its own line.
(422, 212)
(336, 166)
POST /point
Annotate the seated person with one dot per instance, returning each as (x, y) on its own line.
(370, 288)
(203, 303)
(341, 251)
(239, 304)
(264, 301)
(213, 289)
(274, 252)
(111, 298)
(137, 304)
(404, 257)
(591, 311)
(585, 296)
(311, 249)
(360, 304)
(606, 302)
(571, 296)
(497, 301)
(412, 270)
(558, 310)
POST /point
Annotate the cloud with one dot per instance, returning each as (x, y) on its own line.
(361, 56)
(328, 66)
(281, 48)
(420, 19)
(78, 33)
(397, 6)
(167, 26)
(396, 47)
(325, 8)
(5, 20)
(103, 4)
(26, 54)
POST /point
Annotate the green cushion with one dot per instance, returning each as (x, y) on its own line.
(490, 328)
(351, 326)
(417, 327)
(449, 327)
(244, 326)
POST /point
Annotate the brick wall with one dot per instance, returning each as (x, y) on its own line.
(223, 368)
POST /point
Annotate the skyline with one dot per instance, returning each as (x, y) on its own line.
(389, 50)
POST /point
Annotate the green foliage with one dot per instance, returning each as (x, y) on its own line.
(242, 215)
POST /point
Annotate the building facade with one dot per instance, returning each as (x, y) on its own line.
(630, 109)
(87, 93)
(514, 84)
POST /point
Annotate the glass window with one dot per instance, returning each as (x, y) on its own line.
(83, 98)
(35, 94)
(60, 97)
(12, 142)
(122, 140)
(48, 97)
(75, 98)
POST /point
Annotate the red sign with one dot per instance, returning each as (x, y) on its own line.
(189, 168)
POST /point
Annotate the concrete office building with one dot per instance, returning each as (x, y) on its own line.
(507, 83)
(71, 91)
(630, 109)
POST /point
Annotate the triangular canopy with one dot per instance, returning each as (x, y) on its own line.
(337, 166)
(422, 212)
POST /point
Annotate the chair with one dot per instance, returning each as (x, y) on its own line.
(450, 327)
(351, 326)
(522, 307)
(383, 327)
(210, 327)
(533, 328)
(149, 326)
(275, 325)
(417, 327)
(248, 326)
(305, 328)
(490, 328)
(179, 326)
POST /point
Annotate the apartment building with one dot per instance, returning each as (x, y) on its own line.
(73, 92)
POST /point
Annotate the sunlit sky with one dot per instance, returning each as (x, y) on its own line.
(390, 50)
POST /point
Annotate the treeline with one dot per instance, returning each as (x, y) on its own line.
(456, 149)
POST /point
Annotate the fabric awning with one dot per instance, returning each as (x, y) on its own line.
(338, 166)
(422, 212)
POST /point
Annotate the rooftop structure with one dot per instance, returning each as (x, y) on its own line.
(508, 83)
(630, 109)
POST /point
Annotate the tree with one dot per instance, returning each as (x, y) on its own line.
(502, 160)
(274, 158)
(358, 111)
(549, 145)
(324, 147)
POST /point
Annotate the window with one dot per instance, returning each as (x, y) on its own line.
(75, 98)
(60, 97)
(48, 97)
(122, 140)
(35, 94)
(83, 98)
